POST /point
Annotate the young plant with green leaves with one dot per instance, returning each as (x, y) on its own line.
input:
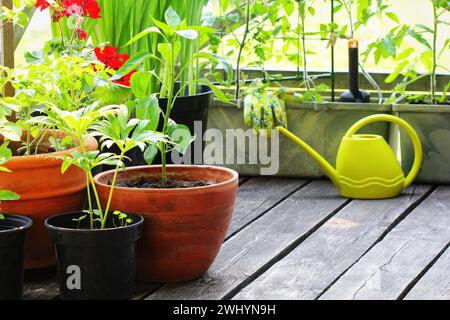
(174, 33)
(408, 58)
(113, 125)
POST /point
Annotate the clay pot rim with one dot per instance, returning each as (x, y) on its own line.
(234, 179)
(91, 144)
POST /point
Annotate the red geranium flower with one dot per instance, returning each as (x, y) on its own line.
(111, 58)
(126, 80)
(67, 8)
(82, 7)
(81, 34)
(42, 4)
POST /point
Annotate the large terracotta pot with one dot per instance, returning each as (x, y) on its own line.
(44, 192)
(183, 228)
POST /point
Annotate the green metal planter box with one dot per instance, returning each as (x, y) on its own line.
(432, 123)
(320, 125)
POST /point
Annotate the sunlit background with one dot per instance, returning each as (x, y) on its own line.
(409, 12)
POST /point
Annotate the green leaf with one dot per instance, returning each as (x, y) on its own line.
(148, 109)
(404, 54)
(140, 83)
(181, 135)
(190, 34)
(150, 153)
(217, 92)
(172, 18)
(396, 72)
(419, 38)
(11, 131)
(392, 16)
(6, 195)
(142, 34)
(132, 64)
(427, 60)
(2, 217)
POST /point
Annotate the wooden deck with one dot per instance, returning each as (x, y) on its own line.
(297, 239)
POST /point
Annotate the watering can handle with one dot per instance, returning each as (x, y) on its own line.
(404, 125)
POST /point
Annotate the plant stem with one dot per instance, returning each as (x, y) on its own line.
(111, 191)
(241, 48)
(433, 71)
(305, 68)
(170, 103)
(97, 198)
(61, 32)
(91, 213)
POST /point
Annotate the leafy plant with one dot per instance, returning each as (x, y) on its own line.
(408, 59)
(113, 125)
(123, 19)
(173, 32)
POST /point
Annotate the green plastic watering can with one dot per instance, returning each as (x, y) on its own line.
(366, 166)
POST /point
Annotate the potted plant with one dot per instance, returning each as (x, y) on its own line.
(310, 113)
(194, 102)
(428, 112)
(187, 209)
(65, 73)
(13, 228)
(96, 248)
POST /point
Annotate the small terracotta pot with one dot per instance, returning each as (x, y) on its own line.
(184, 228)
(44, 192)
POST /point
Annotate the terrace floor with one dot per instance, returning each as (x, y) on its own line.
(297, 239)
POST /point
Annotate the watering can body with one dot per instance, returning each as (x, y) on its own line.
(366, 166)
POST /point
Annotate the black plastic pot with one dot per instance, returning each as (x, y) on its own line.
(95, 264)
(13, 230)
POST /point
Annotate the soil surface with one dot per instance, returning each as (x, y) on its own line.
(148, 183)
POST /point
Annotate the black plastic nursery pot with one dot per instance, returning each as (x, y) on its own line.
(95, 264)
(191, 111)
(13, 230)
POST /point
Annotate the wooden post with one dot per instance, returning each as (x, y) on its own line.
(7, 50)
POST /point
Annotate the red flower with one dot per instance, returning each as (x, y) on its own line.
(42, 4)
(82, 8)
(126, 80)
(81, 34)
(111, 58)
(67, 8)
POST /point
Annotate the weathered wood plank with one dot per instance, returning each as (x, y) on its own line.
(400, 258)
(49, 290)
(328, 252)
(41, 290)
(435, 284)
(257, 196)
(262, 243)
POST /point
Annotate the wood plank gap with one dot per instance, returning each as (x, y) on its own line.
(255, 246)
(267, 210)
(400, 218)
(283, 253)
(411, 285)
(243, 180)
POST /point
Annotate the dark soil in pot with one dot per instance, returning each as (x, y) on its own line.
(147, 182)
(95, 264)
(13, 230)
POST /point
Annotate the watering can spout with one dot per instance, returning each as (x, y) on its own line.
(324, 164)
